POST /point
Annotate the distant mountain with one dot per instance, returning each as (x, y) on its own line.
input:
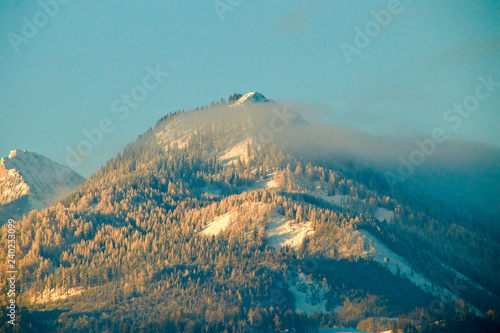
(216, 221)
(31, 181)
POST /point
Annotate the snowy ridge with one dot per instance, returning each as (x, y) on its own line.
(45, 181)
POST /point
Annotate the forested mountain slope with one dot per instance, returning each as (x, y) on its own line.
(211, 222)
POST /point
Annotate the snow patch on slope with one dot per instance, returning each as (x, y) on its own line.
(217, 225)
(341, 200)
(242, 213)
(239, 150)
(267, 183)
(383, 214)
(281, 232)
(351, 203)
(309, 295)
(271, 184)
(56, 294)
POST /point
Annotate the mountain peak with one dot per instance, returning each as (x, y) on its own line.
(40, 180)
(251, 97)
(18, 159)
(15, 152)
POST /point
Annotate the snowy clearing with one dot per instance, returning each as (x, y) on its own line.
(217, 225)
(271, 184)
(281, 232)
(267, 183)
(383, 214)
(239, 214)
(337, 199)
(309, 296)
(56, 294)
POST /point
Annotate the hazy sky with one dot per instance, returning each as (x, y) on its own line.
(398, 76)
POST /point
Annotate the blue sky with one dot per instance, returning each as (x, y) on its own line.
(63, 79)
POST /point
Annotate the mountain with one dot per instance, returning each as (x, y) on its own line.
(31, 181)
(215, 221)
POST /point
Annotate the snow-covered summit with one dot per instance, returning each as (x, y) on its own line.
(251, 97)
(36, 178)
